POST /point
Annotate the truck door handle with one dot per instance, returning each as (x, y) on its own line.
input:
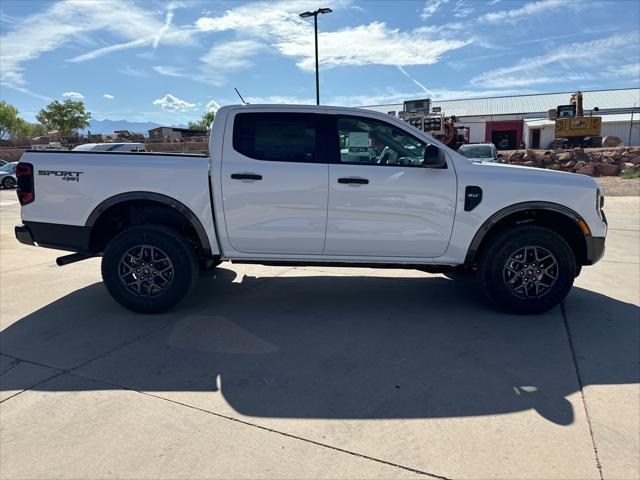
(353, 181)
(245, 176)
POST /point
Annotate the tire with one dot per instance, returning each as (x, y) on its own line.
(8, 182)
(504, 264)
(168, 259)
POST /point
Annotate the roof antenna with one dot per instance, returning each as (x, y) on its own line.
(240, 96)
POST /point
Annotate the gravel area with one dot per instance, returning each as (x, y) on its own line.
(619, 187)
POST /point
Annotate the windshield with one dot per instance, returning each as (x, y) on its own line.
(476, 151)
(9, 167)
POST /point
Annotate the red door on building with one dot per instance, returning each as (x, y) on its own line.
(505, 135)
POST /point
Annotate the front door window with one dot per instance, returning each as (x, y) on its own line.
(366, 141)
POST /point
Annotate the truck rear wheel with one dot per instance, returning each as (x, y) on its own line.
(149, 268)
(527, 269)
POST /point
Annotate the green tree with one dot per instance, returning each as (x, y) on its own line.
(38, 130)
(20, 129)
(204, 123)
(8, 118)
(66, 117)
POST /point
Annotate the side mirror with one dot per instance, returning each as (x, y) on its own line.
(433, 157)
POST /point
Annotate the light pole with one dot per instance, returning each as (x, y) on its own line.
(315, 29)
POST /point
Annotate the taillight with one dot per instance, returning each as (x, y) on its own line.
(24, 173)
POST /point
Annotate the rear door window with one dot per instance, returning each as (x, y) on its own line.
(280, 137)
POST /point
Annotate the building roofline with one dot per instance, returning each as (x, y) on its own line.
(509, 96)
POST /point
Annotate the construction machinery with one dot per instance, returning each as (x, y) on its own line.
(419, 114)
(572, 128)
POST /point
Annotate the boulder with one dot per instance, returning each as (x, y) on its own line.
(529, 158)
(554, 167)
(580, 164)
(547, 160)
(607, 170)
(616, 156)
(611, 141)
(516, 156)
(635, 159)
(608, 160)
(529, 163)
(564, 156)
(628, 168)
(586, 170)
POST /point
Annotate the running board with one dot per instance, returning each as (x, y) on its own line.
(73, 258)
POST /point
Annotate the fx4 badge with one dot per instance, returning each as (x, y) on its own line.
(65, 175)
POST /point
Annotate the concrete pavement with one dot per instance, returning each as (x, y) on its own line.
(273, 372)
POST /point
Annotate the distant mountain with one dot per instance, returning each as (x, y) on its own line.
(109, 126)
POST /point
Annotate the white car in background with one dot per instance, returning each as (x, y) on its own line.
(480, 152)
(110, 147)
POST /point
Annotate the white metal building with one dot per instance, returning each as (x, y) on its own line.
(524, 117)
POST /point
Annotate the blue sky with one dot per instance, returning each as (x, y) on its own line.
(168, 62)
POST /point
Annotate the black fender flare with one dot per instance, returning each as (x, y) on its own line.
(489, 223)
(156, 197)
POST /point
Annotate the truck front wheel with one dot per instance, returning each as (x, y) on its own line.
(527, 269)
(149, 268)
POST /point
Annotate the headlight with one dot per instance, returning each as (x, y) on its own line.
(600, 203)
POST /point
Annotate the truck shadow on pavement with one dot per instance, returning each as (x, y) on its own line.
(339, 347)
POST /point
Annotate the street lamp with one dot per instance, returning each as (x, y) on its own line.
(315, 29)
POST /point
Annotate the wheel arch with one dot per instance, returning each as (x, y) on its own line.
(559, 218)
(140, 197)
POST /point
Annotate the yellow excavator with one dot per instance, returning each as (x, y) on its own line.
(573, 129)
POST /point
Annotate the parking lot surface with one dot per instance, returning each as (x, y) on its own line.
(274, 372)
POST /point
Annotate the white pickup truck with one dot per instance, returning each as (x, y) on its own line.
(307, 185)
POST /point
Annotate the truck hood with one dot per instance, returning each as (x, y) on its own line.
(535, 175)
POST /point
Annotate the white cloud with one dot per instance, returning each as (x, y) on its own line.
(559, 64)
(430, 7)
(213, 106)
(164, 29)
(31, 36)
(168, 71)
(171, 103)
(99, 52)
(133, 72)
(233, 55)
(73, 95)
(25, 90)
(424, 89)
(224, 58)
(462, 9)
(630, 70)
(278, 26)
(370, 44)
(108, 96)
(528, 9)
